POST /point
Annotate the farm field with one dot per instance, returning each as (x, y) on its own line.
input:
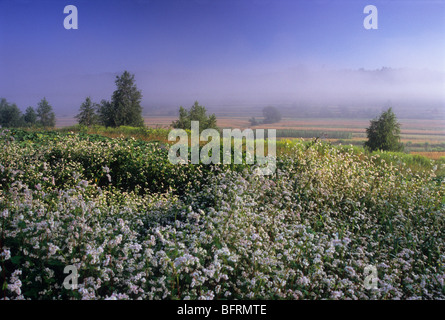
(136, 226)
(417, 135)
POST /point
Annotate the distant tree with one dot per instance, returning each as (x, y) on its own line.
(126, 102)
(30, 116)
(45, 114)
(196, 113)
(271, 115)
(87, 113)
(253, 121)
(384, 133)
(10, 114)
(106, 114)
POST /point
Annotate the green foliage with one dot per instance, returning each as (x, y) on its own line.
(137, 226)
(141, 133)
(271, 115)
(292, 133)
(30, 116)
(45, 114)
(384, 133)
(87, 113)
(10, 115)
(196, 113)
(106, 114)
(125, 106)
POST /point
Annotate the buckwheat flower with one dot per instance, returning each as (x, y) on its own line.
(5, 213)
(118, 239)
(52, 249)
(6, 254)
(15, 284)
(136, 247)
(254, 236)
(350, 270)
(336, 295)
(133, 288)
(83, 183)
(304, 281)
(49, 272)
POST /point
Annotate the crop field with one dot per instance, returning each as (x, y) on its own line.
(417, 135)
(431, 155)
(136, 226)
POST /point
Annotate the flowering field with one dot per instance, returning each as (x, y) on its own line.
(136, 226)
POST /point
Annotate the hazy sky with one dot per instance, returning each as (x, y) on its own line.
(219, 51)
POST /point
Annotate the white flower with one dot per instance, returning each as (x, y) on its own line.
(6, 254)
(53, 249)
(336, 295)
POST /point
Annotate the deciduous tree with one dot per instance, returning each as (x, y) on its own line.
(384, 133)
(196, 113)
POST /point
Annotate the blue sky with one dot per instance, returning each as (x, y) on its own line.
(186, 50)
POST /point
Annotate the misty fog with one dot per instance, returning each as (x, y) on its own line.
(407, 90)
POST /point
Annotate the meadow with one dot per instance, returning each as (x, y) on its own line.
(138, 227)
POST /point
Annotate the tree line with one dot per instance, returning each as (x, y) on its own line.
(11, 116)
(124, 109)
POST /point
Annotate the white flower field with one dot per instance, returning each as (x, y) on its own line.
(137, 227)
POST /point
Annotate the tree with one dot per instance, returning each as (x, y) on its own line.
(106, 114)
(45, 114)
(271, 115)
(253, 121)
(10, 114)
(87, 113)
(30, 116)
(384, 133)
(196, 113)
(126, 102)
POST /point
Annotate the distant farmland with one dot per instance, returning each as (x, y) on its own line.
(418, 135)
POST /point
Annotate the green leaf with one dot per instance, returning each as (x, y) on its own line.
(16, 259)
(21, 224)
